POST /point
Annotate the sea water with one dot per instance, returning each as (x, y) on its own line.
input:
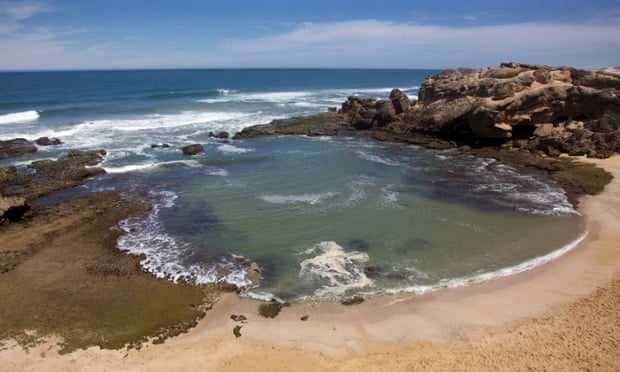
(324, 217)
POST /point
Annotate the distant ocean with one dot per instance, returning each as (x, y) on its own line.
(324, 217)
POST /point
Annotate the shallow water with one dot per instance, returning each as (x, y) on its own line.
(332, 217)
(324, 217)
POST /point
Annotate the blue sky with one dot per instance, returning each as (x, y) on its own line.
(113, 34)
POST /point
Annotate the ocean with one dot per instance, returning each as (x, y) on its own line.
(325, 218)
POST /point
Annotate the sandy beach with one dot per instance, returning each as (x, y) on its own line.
(564, 315)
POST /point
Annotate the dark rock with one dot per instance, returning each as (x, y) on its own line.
(325, 123)
(12, 208)
(47, 176)
(16, 147)
(46, 141)
(192, 149)
(400, 101)
(271, 309)
(237, 331)
(373, 271)
(160, 145)
(304, 318)
(223, 135)
(238, 318)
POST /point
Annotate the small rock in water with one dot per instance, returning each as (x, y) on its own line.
(46, 141)
(192, 149)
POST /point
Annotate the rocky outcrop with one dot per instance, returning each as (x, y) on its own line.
(16, 147)
(12, 208)
(46, 141)
(321, 124)
(365, 113)
(192, 149)
(46, 176)
(537, 108)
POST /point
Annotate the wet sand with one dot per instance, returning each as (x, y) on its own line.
(564, 315)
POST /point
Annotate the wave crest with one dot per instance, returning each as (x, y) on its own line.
(18, 117)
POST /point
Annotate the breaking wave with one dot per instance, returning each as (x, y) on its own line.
(18, 117)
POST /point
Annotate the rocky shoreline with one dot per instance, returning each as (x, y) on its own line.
(524, 115)
(527, 116)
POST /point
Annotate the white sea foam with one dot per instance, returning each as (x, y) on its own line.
(389, 197)
(337, 270)
(227, 148)
(525, 192)
(301, 198)
(166, 257)
(18, 117)
(377, 159)
(150, 166)
(261, 296)
(215, 171)
(358, 188)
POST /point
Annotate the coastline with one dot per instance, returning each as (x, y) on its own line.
(564, 314)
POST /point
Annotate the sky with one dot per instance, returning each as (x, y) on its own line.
(132, 34)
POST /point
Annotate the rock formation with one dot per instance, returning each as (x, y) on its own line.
(46, 176)
(538, 108)
(16, 147)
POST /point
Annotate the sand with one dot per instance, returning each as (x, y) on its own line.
(564, 315)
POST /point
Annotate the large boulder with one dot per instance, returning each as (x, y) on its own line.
(193, 149)
(366, 113)
(16, 147)
(385, 112)
(400, 101)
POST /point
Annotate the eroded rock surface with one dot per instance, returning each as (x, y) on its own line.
(538, 108)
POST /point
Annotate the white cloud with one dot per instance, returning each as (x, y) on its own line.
(389, 44)
(355, 43)
(18, 10)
